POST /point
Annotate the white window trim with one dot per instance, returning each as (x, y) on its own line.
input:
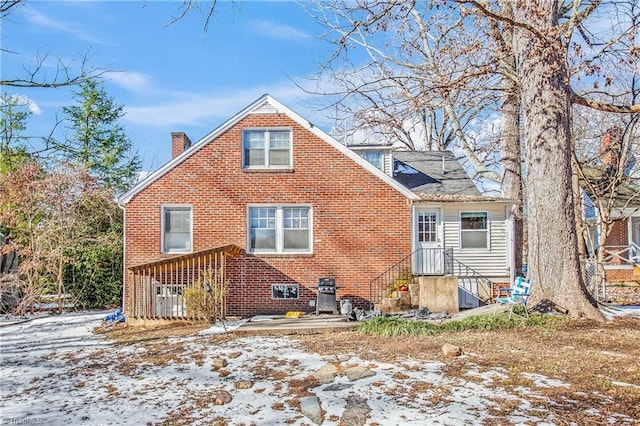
(163, 207)
(460, 231)
(266, 156)
(279, 229)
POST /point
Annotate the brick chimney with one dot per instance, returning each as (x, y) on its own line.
(180, 142)
(611, 147)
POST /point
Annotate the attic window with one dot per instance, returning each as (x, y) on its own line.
(264, 149)
(374, 157)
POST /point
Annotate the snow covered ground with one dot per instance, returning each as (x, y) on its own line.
(56, 371)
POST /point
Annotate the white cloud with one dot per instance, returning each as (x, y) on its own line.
(28, 102)
(197, 108)
(276, 31)
(41, 20)
(130, 80)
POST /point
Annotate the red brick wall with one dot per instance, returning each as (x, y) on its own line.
(618, 275)
(361, 226)
(618, 234)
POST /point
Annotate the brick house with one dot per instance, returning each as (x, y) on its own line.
(622, 245)
(275, 204)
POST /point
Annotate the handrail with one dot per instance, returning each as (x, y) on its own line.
(403, 272)
(627, 254)
(480, 279)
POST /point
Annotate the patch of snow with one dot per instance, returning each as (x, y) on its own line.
(611, 312)
(544, 382)
(221, 327)
(624, 384)
(56, 371)
(404, 169)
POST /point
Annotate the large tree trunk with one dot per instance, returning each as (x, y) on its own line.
(511, 160)
(510, 148)
(553, 261)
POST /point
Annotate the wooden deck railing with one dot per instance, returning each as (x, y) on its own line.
(157, 288)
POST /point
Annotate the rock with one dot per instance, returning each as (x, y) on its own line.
(358, 372)
(235, 355)
(451, 350)
(219, 363)
(335, 387)
(344, 357)
(326, 374)
(356, 412)
(310, 407)
(243, 384)
(222, 397)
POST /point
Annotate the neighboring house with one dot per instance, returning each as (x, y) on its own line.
(271, 204)
(622, 245)
(618, 190)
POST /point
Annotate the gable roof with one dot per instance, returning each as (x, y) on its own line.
(266, 104)
(433, 172)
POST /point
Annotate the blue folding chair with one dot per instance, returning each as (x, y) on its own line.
(516, 295)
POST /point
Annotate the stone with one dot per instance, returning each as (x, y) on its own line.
(221, 397)
(310, 407)
(358, 372)
(451, 350)
(336, 387)
(356, 412)
(326, 374)
(219, 363)
(243, 384)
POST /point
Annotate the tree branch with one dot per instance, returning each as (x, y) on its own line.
(484, 10)
(602, 106)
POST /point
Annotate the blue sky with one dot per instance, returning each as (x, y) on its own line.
(169, 78)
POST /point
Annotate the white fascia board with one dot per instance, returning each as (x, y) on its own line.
(281, 108)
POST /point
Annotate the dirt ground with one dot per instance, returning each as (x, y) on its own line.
(623, 294)
(590, 357)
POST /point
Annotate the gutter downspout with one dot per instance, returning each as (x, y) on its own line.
(124, 255)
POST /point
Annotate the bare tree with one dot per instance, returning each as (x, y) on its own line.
(392, 74)
(460, 52)
(65, 73)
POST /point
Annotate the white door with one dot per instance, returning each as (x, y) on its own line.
(429, 258)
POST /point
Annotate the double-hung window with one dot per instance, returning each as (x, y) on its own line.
(267, 149)
(176, 229)
(279, 229)
(474, 230)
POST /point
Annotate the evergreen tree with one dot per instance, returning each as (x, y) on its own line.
(98, 142)
(13, 117)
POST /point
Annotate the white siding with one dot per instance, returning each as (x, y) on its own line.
(387, 161)
(492, 262)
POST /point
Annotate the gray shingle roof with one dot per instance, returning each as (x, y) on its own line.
(433, 173)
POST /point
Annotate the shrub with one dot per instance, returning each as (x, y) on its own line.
(389, 326)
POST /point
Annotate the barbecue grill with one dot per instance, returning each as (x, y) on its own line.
(326, 301)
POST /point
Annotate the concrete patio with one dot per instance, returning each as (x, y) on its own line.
(325, 323)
